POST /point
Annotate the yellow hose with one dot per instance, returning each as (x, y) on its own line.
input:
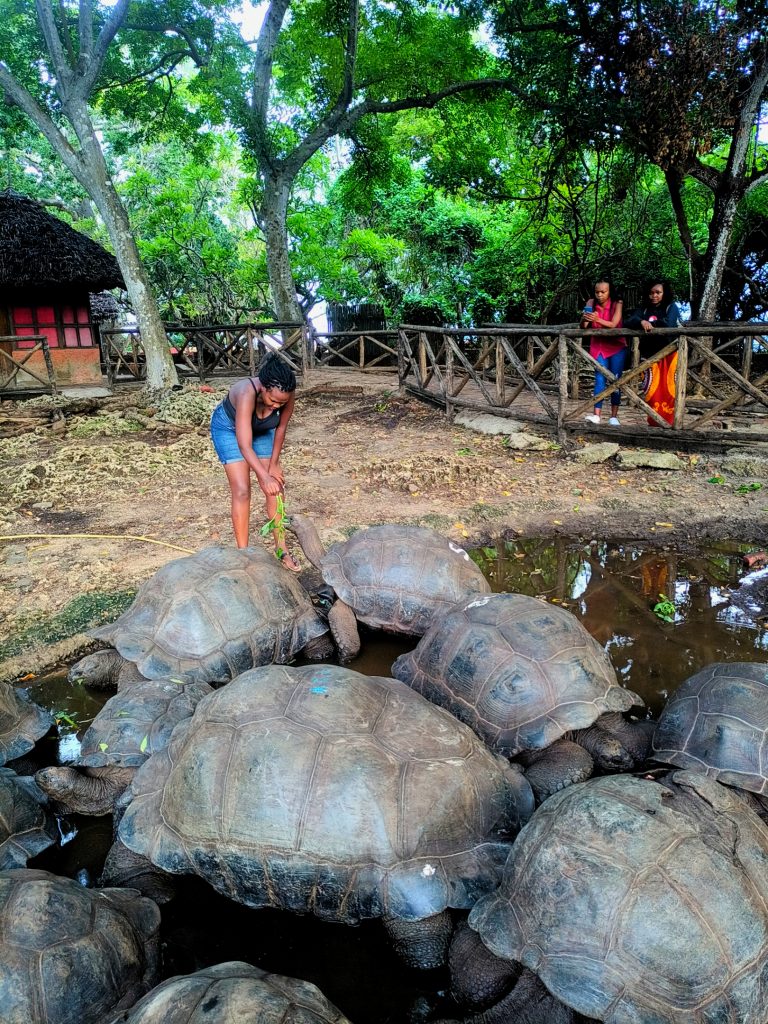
(94, 536)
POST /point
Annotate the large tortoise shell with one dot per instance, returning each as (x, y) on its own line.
(717, 722)
(136, 722)
(22, 723)
(321, 790)
(640, 902)
(398, 578)
(520, 672)
(72, 954)
(26, 827)
(233, 993)
(214, 614)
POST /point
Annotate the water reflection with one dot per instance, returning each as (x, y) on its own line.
(718, 604)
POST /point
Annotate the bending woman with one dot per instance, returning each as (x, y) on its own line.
(603, 310)
(658, 310)
(248, 430)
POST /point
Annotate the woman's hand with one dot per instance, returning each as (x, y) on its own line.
(277, 473)
(270, 485)
(646, 325)
(591, 318)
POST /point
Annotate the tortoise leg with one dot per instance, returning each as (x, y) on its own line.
(479, 978)
(560, 765)
(343, 625)
(84, 790)
(424, 943)
(320, 648)
(125, 869)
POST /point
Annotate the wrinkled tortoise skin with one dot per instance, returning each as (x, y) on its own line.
(640, 902)
(215, 614)
(321, 790)
(520, 672)
(717, 723)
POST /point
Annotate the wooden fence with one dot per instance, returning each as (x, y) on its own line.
(11, 364)
(545, 375)
(359, 349)
(229, 350)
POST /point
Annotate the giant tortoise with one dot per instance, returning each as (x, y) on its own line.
(717, 722)
(321, 790)
(395, 578)
(526, 675)
(22, 723)
(233, 993)
(132, 725)
(210, 616)
(637, 902)
(70, 955)
(26, 825)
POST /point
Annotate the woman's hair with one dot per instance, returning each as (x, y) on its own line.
(274, 372)
(668, 296)
(614, 292)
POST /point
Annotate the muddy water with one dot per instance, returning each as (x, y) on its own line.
(612, 587)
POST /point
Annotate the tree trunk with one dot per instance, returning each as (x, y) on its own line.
(720, 233)
(161, 372)
(273, 215)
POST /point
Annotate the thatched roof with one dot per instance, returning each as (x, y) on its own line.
(39, 250)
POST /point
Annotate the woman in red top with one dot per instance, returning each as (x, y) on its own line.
(605, 311)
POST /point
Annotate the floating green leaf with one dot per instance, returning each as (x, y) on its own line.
(664, 609)
(103, 747)
(143, 744)
(62, 716)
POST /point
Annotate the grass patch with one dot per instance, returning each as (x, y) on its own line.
(88, 610)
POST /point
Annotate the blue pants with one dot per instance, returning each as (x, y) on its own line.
(615, 364)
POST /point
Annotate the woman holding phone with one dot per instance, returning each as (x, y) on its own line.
(604, 310)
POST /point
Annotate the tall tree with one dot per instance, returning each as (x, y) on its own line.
(55, 91)
(320, 67)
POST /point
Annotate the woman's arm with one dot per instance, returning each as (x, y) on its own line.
(598, 321)
(672, 316)
(244, 409)
(285, 414)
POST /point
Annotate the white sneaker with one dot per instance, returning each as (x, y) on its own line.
(592, 418)
(614, 421)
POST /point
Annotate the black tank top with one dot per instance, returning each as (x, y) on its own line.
(259, 425)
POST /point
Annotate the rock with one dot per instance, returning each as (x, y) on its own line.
(15, 554)
(483, 423)
(42, 506)
(593, 453)
(529, 442)
(653, 460)
(741, 462)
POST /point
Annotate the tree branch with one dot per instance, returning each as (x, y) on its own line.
(262, 76)
(85, 30)
(199, 58)
(61, 69)
(674, 187)
(107, 34)
(703, 173)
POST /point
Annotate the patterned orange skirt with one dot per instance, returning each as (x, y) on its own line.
(660, 388)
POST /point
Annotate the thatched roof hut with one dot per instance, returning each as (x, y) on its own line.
(39, 251)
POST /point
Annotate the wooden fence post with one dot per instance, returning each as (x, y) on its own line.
(562, 399)
(422, 356)
(500, 388)
(681, 377)
(450, 409)
(402, 371)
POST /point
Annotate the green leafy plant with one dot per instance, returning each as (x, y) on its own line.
(746, 488)
(277, 522)
(716, 480)
(664, 609)
(62, 716)
(465, 451)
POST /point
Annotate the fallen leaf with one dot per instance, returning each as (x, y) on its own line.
(665, 524)
(557, 522)
(29, 675)
(458, 526)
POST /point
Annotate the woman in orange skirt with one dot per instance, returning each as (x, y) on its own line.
(659, 310)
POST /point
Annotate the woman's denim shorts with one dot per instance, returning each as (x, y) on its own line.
(225, 440)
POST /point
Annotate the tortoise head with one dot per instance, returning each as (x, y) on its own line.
(306, 533)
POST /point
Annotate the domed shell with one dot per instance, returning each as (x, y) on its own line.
(321, 790)
(398, 578)
(233, 993)
(520, 672)
(26, 828)
(136, 722)
(22, 723)
(639, 902)
(213, 615)
(717, 722)
(72, 954)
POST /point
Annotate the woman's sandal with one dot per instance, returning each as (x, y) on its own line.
(287, 560)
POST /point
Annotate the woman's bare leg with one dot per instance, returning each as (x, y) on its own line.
(239, 477)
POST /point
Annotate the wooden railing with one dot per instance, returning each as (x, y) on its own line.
(11, 364)
(545, 374)
(359, 349)
(218, 350)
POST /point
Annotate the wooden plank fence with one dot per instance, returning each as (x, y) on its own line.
(11, 364)
(545, 375)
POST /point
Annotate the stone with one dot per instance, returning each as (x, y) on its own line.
(529, 442)
(42, 506)
(642, 458)
(743, 462)
(15, 554)
(593, 453)
(484, 423)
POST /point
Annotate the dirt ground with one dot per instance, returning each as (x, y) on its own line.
(144, 484)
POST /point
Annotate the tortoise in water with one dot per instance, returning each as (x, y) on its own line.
(395, 578)
(22, 723)
(636, 901)
(716, 722)
(233, 993)
(69, 954)
(321, 790)
(210, 616)
(26, 827)
(132, 725)
(532, 682)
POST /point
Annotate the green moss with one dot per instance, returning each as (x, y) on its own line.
(88, 610)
